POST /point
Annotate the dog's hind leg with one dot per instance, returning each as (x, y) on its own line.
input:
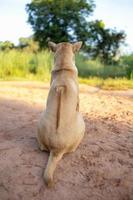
(50, 168)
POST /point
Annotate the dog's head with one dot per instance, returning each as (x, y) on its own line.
(64, 53)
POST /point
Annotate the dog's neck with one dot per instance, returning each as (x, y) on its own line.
(67, 69)
(56, 72)
(64, 69)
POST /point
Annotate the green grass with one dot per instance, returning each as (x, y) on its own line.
(109, 83)
(94, 68)
(25, 65)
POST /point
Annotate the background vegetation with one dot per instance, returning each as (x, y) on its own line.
(99, 63)
(27, 64)
(68, 21)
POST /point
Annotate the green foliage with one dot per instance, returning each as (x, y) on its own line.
(23, 42)
(63, 21)
(16, 63)
(59, 20)
(20, 64)
(94, 68)
(6, 45)
(109, 83)
(127, 61)
(105, 43)
(28, 44)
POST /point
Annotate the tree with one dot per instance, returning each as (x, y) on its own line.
(68, 20)
(23, 42)
(29, 44)
(6, 45)
(59, 20)
(104, 43)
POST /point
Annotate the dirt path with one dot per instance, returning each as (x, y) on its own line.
(100, 169)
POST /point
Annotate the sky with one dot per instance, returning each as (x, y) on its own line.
(115, 14)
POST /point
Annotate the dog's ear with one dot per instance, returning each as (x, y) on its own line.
(52, 46)
(77, 46)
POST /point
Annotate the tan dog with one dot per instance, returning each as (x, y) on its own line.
(61, 126)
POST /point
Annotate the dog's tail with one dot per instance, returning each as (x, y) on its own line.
(59, 90)
(50, 168)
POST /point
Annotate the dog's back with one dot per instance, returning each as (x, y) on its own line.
(62, 99)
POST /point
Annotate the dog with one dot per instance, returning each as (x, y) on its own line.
(61, 127)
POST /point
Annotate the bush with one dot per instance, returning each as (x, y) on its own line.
(94, 68)
(21, 63)
(128, 62)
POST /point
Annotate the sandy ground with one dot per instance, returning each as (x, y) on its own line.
(100, 169)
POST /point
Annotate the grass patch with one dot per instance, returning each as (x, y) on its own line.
(26, 65)
(109, 83)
